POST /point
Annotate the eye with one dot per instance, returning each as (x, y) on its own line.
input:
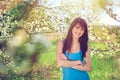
(82, 28)
(77, 27)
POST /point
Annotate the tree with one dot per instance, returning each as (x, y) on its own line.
(108, 7)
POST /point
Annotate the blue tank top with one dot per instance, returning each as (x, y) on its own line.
(71, 73)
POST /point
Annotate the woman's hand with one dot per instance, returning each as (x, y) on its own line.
(62, 56)
(87, 65)
(61, 59)
(79, 62)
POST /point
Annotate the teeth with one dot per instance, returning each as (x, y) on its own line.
(77, 33)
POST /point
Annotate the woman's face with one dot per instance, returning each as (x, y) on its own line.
(77, 31)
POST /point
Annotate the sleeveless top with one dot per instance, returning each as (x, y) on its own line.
(70, 73)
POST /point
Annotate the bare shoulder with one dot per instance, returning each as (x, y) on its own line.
(59, 46)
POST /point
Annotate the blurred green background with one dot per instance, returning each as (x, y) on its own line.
(30, 29)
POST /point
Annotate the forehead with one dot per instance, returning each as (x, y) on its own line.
(78, 25)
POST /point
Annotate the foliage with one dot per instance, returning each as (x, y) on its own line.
(23, 76)
(21, 56)
(9, 20)
(4, 58)
(38, 21)
(28, 51)
(107, 67)
(107, 39)
(9, 23)
(116, 31)
(102, 33)
(97, 4)
(8, 26)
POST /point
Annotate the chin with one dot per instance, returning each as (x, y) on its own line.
(77, 36)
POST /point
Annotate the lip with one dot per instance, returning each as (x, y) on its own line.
(77, 33)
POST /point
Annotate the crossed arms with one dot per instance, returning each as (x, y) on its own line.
(63, 62)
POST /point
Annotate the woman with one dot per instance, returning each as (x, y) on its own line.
(73, 53)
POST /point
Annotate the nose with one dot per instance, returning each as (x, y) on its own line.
(79, 29)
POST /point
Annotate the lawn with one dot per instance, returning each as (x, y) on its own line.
(103, 68)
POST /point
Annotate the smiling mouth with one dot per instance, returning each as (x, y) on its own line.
(77, 33)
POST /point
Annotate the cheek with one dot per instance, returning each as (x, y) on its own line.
(82, 32)
(73, 31)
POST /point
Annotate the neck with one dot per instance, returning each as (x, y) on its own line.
(75, 45)
(75, 40)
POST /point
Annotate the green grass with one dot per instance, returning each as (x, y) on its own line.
(103, 68)
(49, 56)
(98, 45)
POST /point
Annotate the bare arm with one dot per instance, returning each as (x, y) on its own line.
(61, 59)
(88, 65)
